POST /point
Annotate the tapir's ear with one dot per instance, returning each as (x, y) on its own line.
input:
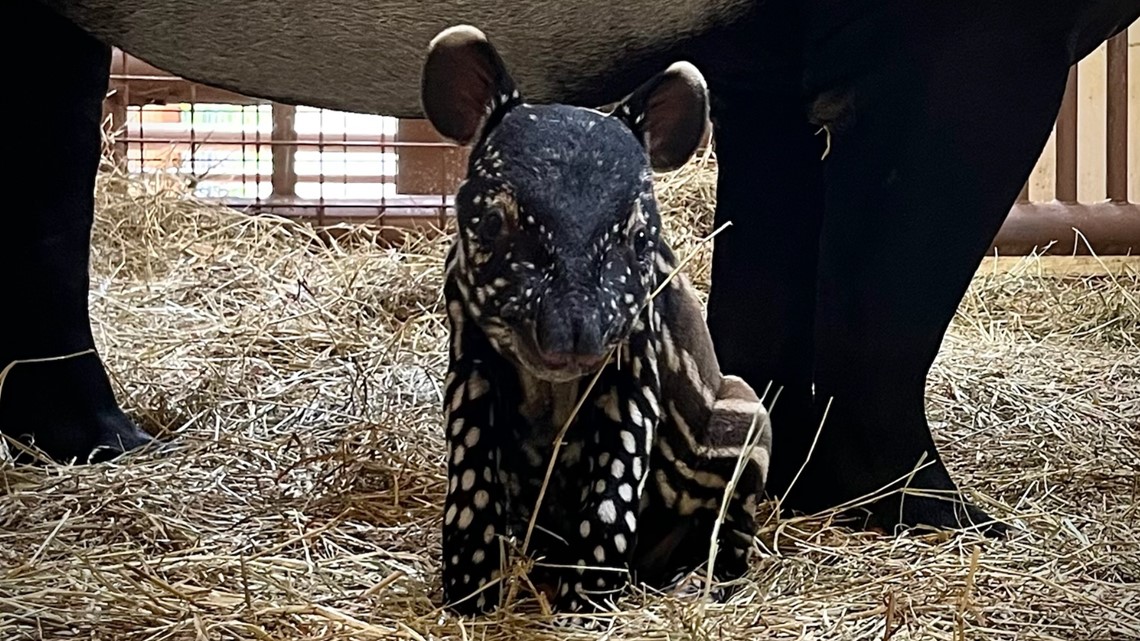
(669, 114)
(465, 84)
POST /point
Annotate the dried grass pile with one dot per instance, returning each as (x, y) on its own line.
(297, 381)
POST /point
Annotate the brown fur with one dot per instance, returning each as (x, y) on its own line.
(706, 424)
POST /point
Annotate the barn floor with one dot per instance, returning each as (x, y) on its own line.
(297, 382)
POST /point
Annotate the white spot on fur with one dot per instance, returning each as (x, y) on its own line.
(651, 401)
(608, 402)
(635, 413)
(457, 397)
(628, 442)
(607, 512)
(465, 518)
(625, 491)
(476, 386)
(472, 436)
(617, 469)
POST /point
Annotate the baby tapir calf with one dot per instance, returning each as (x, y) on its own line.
(550, 280)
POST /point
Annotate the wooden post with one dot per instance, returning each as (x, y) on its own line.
(427, 170)
(1066, 175)
(1116, 120)
(284, 177)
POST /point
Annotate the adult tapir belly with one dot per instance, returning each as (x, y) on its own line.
(366, 55)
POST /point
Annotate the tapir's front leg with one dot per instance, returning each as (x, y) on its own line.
(618, 436)
(473, 519)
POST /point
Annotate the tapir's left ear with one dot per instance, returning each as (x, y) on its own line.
(669, 114)
(465, 86)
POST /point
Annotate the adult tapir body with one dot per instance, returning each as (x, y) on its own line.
(836, 281)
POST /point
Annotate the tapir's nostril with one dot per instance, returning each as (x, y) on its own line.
(551, 334)
(588, 335)
(568, 335)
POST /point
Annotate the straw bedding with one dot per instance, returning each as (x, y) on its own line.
(296, 379)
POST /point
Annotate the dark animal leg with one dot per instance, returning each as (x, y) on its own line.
(473, 518)
(672, 546)
(603, 538)
(762, 300)
(918, 184)
(930, 136)
(738, 529)
(64, 407)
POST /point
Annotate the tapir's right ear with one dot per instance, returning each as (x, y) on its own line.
(465, 85)
(669, 114)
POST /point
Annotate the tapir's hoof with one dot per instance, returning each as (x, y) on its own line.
(691, 585)
(927, 513)
(65, 410)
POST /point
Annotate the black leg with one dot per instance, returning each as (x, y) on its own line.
(66, 407)
(844, 274)
(762, 299)
(602, 535)
(919, 179)
(474, 522)
(473, 518)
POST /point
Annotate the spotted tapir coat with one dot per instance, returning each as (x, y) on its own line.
(566, 311)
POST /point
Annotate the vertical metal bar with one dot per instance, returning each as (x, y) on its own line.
(284, 178)
(257, 155)
(1066, 176)
(141, 111)
(381, 210)
(193, 132)
(127, 114)
(1116, 120)
(344, 153)
(244, 151)
(321, 167)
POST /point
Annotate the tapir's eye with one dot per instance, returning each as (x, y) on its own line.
(490, 224)
(640, 239)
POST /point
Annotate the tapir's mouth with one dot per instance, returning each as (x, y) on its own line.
(554, 367)
(579, 362)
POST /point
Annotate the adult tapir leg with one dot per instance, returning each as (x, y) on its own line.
(770, 188)
(65, 406)
(942, 130)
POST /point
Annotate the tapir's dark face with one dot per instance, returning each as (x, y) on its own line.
(558, 227)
